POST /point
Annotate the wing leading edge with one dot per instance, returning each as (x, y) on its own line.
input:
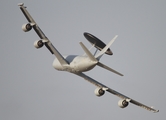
(100, 85)
(42, 36)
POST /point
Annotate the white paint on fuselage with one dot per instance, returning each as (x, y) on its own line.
(76, 64)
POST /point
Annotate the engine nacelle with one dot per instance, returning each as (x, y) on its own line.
(123, 103)
(26, 27)
(38, 44)
(99, 92)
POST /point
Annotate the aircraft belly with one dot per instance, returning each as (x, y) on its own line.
(76, 64)
(80, 64)
(57, 65)
(84, 65)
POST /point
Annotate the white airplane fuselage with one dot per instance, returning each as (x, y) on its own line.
(76, 64)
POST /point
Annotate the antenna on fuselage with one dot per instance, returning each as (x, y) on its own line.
(97, 43)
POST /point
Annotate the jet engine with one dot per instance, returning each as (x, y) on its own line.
(99, 92)
(26, 27)
(123, 103)
(38, 44)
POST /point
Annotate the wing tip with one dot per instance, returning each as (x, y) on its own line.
(20, 4)
(121, 74)
(156, 111)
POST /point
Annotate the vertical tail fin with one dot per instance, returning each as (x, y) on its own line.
(98, 56)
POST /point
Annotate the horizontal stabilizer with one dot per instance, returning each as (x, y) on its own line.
(108, 68)
(89, 54)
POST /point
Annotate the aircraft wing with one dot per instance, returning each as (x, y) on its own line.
(42, 36)
(100, 85)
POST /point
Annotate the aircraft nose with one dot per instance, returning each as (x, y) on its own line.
(57, 65)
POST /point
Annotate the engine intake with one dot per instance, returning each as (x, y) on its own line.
(26, 27)
(123, 103)
(99, 92)
(38, 44)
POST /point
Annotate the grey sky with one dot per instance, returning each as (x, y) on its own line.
(30, 88)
